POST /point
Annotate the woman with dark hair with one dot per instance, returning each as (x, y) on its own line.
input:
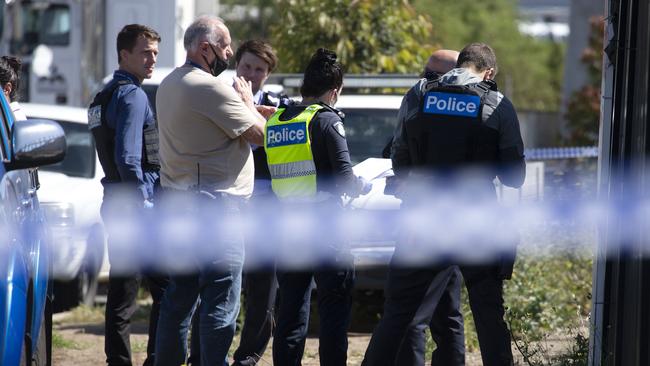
(10, 81)
(310, 168)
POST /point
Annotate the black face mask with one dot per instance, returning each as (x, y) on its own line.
(218, 65)
(431, 75)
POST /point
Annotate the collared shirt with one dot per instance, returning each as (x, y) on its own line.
(19, 114)
(128, 113)
(201, 122)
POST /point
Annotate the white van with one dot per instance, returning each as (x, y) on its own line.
(72, 194)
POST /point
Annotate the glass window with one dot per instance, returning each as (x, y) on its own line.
(42, 24)
(79, 158)
(368, 132)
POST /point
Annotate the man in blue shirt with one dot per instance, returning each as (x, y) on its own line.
(126, 137)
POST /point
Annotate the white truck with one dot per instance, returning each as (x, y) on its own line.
(68, 46)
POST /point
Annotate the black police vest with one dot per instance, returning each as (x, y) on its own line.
(105, 136)
(449, 132)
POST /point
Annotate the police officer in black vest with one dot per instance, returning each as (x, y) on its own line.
(457, 147)
(126, 137)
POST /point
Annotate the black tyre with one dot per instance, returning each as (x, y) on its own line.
(81, 290)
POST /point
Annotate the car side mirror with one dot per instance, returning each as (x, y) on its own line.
(35, 143)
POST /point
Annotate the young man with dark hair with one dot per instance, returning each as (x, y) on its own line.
(255, 60)
(126, 137)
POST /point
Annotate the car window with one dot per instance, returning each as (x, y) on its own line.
(42, 24)
(79, 158)
(368, 131)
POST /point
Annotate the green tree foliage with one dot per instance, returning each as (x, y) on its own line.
(530, 69)
(253, 18)
(369, 36)
(583, 112)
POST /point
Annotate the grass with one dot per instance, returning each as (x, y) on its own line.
(83, 314)
(60, 342)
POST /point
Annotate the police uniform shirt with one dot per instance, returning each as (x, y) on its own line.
(498, 113)
(330, 151)
(128, 113)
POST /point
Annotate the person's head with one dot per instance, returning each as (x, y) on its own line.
(440, 62)
(255, 60)
(323, 78)
(137, 50)
(10, 76)
(207, 42)
(480, 59)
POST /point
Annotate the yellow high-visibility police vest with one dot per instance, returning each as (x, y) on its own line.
(289, 156)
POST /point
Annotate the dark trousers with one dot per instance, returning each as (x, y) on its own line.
(127, 255)
(260, 288)
(445, 321)
(120, 306)
(334, 287)
(406, 291)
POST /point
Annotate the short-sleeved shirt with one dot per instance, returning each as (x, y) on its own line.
(201, 120)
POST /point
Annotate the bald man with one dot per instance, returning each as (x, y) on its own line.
(439, 63)
(444, 318)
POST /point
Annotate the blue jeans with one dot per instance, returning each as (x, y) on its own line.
(217, 283)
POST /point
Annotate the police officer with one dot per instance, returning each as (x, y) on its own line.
(438, 144)
(126, 137)
(310, 167)
(442, 316)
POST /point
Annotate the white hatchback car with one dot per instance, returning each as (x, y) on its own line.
(71, 192)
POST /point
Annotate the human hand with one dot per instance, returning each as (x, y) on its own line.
(366, 186)
(245, 90)
(266, 111)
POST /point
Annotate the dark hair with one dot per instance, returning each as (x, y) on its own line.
(260, 49)
(322, 74)
(10, 73)
(129, 35)
(478, 55)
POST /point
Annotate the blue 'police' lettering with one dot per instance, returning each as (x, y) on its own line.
(464, 105)
(289, 134)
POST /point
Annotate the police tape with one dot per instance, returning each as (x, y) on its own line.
(551, 153)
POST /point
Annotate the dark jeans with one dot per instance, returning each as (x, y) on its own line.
(334, 288)
(406, 291)
(215, 280)
(444, 319)
(260, 288)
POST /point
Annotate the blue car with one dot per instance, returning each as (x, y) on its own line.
(25, 317)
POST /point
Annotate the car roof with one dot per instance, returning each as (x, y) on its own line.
(56, 112)
(369, 101)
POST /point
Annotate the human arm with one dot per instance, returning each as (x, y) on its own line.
(255, 134)
(130, 114)
(511, 168)
(399, 149)
(339, 156)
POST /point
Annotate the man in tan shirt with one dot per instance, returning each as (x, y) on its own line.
(206, 128)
